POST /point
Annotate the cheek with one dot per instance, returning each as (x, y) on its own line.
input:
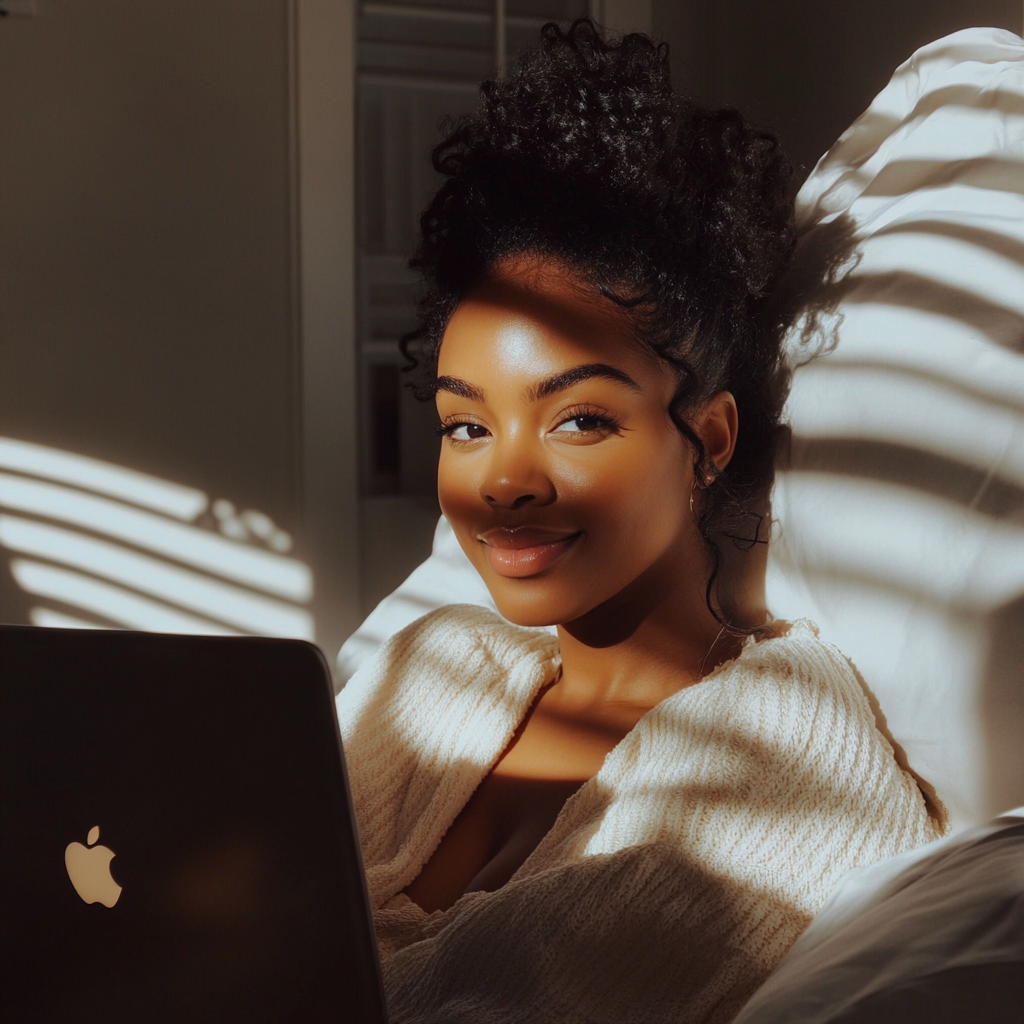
(458, 491)
(450, 484)
(637, 489)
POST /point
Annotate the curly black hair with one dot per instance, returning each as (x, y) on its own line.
(681, 215)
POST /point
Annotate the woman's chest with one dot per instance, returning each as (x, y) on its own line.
(503, 823)
(515, 806)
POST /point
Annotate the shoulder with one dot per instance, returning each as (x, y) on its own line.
(786, 740)
(778, 711)
(423, 720)
(795, 647)
(797, 667)
(465, 636)
(806, 697)
(796, 703)
(444, 655)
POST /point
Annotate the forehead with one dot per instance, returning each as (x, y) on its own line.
(527, 324)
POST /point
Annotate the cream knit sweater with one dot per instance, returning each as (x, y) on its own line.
(672, 882)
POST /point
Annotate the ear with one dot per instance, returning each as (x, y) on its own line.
(718, 427)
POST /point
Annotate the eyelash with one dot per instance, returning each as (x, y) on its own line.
(576, 412)
(447, 429)
(589, 412)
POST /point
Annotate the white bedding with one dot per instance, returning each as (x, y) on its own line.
(901, 519)
(933, 935)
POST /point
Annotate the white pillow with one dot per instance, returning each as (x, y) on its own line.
(446, 577)
(929, 936)
(900, 527)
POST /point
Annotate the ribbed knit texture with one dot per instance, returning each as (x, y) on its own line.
(672, 882)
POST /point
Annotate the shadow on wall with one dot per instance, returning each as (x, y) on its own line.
(94, 545)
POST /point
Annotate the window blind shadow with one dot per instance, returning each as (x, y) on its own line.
(89, 544)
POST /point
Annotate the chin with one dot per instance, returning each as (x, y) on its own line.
(520, 616)
(531, 603)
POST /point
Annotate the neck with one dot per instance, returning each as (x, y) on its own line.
(649, 641)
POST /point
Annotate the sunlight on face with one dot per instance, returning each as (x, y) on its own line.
(516, 340)
(561, 471)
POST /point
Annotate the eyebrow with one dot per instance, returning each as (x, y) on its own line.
(587, 371)
(460, 387)
(548, 386)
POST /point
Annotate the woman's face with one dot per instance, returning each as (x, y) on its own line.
(561, 471)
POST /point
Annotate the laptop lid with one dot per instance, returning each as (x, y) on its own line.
(177, 840)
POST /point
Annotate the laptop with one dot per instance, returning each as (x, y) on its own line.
(177, 839)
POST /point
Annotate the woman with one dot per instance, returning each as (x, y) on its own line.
(635, 819)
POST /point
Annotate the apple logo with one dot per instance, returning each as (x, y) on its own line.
(89, 870)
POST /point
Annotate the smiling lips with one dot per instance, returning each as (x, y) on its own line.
(525, 550)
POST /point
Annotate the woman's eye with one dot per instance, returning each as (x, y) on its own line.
(585, 424)
(465, 431)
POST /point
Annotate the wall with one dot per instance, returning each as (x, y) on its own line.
(146, 275)
(623, 15)
(175, 298)
(807, 67)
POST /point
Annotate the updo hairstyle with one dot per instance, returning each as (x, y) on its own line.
(679, 214)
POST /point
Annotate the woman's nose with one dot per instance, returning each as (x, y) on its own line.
(516, 477)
